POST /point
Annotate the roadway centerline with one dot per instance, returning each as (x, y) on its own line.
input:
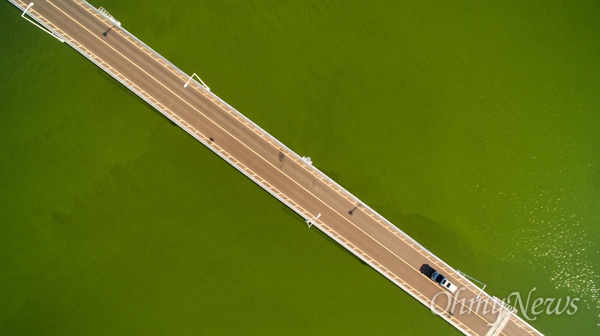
(183, 100)
(231, 135)
(255, 153)
(256, 131)
(261, 134)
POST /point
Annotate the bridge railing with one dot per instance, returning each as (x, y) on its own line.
(306, 216)
(166, 114)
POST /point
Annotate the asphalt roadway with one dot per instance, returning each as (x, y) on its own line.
(282, 173)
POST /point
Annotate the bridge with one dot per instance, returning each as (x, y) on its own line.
(290, 178)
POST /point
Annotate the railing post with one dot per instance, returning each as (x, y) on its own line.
(201, 82)
(37, 25)
(313, 221)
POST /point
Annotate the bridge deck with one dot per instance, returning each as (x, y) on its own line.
(271, 165)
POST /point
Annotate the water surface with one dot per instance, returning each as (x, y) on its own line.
(473, 126)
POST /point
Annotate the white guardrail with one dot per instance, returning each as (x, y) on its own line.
(308, 217)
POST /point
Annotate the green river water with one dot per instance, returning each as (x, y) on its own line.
(471, 125)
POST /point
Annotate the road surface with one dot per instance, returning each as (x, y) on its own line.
(281, 172)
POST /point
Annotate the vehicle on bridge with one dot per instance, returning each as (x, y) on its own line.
(434, 275)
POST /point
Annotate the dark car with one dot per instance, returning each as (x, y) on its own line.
(434, 275)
